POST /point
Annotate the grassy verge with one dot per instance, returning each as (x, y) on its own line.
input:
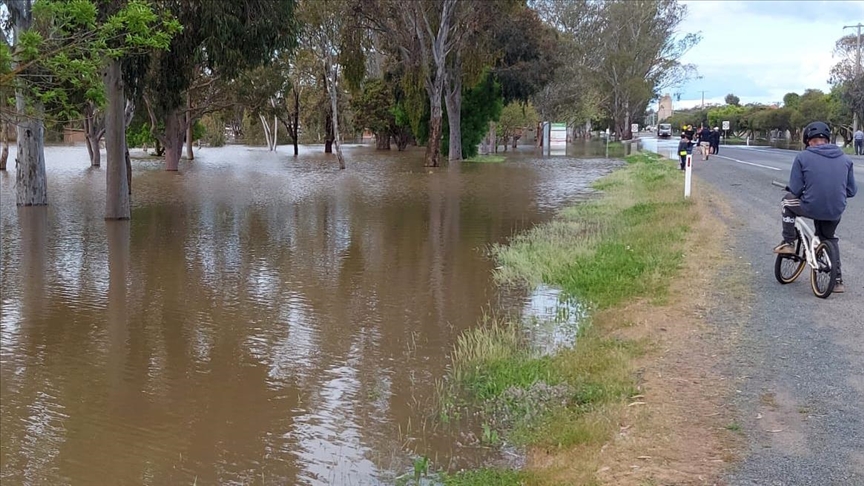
(487, 159)
(624, 246)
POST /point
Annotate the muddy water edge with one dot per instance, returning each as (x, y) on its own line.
(261, 319)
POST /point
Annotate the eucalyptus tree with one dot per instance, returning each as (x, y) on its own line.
(327, 33)
(219, 40)
(59, 51)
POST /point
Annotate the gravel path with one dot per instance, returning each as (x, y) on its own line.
(800, 364)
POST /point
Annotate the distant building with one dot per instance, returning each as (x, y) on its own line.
(665, 110)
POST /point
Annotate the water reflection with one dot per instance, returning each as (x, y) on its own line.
(260, 320)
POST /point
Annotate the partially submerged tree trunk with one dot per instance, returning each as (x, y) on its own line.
(189, 122)
(453, 100)
(328, 135)
(4, 155)
(382, 141)
(295, 125)
(31, 182)
(117, 178)
(175, 128)
(333, 70)
(94, 130)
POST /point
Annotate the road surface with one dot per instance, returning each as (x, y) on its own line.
(801, 360)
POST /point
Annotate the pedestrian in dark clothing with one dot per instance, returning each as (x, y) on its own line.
(684, 147)
(859, 142)
(715, 141)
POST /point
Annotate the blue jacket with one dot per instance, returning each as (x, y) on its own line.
(822, 177)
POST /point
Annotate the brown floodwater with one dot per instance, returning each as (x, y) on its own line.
(261, 319)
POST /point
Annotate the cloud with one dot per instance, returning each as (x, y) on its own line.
(762, 50)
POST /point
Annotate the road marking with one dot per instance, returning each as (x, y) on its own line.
(747, 163)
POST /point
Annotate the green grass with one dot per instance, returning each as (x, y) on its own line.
(485, 477)
(626, 245)
(487, 159)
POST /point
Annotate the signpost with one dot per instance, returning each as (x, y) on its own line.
(634, 129)
(725, 128)
(688, 175)
(607, 143)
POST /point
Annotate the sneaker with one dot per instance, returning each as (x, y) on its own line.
(838, 286)
(785, 248)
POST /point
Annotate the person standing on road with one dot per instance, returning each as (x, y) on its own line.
(715, 141)
(859, 142)
(704, 141)
(821, 180)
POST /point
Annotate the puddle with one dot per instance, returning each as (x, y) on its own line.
(552, 319)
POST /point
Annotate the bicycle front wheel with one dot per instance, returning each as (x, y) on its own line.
(787, 268)
(824, 276)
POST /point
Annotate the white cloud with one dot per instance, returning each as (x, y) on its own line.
(762, 50)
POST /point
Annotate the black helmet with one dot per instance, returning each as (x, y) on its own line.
(816, 129)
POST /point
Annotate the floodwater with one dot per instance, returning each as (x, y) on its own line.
(261, 320)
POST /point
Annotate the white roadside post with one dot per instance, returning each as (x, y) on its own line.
(607, 143)
(688, 175)
(725, 131)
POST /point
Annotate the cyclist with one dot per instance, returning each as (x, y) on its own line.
(821, 180)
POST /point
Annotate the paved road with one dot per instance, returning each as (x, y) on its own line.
(801, 359)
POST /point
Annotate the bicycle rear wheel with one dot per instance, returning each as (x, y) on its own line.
(824, 276)
(787, 268)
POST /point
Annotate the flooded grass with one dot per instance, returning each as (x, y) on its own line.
(487, 159)
(624, 246)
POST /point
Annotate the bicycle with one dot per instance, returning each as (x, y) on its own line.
(809, 250)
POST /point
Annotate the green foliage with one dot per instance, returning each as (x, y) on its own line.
(225, 37)
(481, 104)
(60, 58)
(733, 100)
(214, 130)
(374, 107)
(138, 134)
(485, 477)
(514, 117)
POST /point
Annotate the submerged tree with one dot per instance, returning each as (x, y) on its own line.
(60, 51)
(220, 39)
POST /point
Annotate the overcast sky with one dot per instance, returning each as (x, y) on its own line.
(761, 50)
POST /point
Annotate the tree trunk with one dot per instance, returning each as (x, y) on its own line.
(328, 129)
(189, 153)
(382, 141)
(31, 182)
(93, 133)
(4, 155)
(268, 139)
(492, 138)
(128, 169)
(453, 99)
(538, 140)
(173, 143)
(117, 183)
(295, 128)
(334, 111)
(275, 132)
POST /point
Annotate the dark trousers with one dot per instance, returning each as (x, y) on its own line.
(859, 147)
(683, 161)
(716, 146)
(824, 229)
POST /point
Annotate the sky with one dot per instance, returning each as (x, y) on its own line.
(761, 50)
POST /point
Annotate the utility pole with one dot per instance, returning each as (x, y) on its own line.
(857, 67)
(703, 98)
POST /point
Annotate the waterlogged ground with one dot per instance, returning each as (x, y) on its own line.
(262, 319)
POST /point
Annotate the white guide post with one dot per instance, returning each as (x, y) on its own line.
(688, 175)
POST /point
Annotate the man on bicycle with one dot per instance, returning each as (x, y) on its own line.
(820, 181)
